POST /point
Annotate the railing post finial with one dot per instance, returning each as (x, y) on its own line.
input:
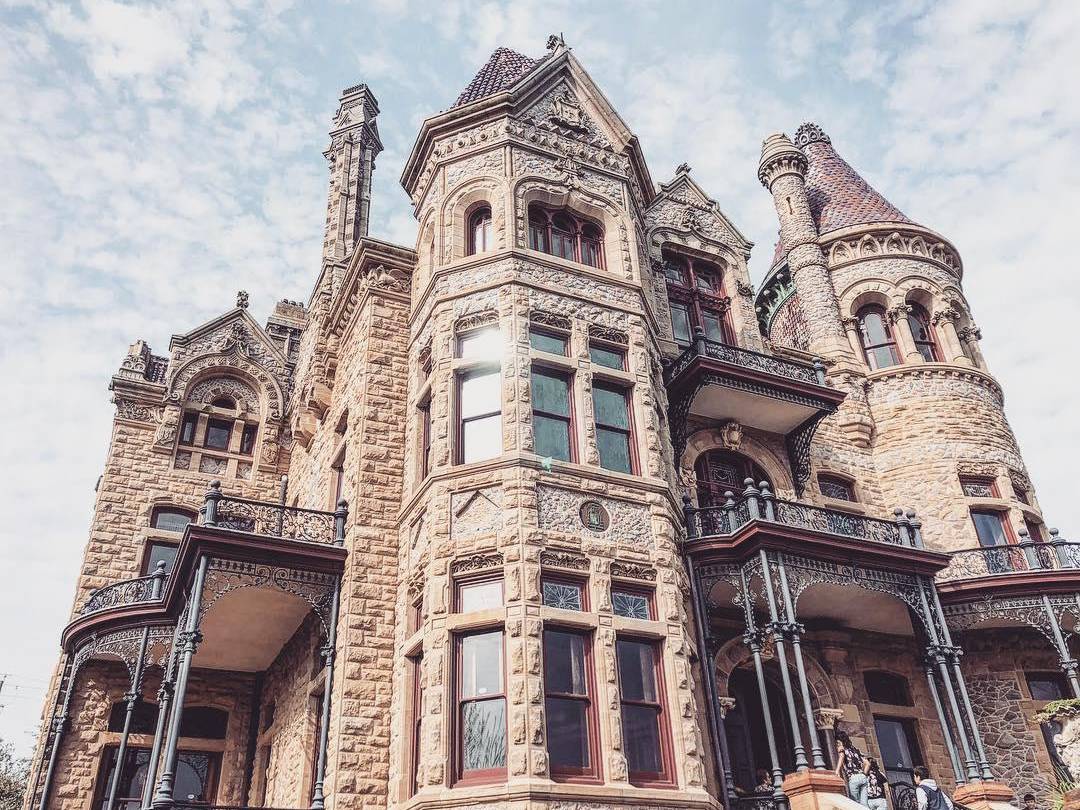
(819, 371)
(688, 516)
(341, 514)
(159, 580)
(916, 528)
(753, 504)
(767, 499)
(213, 495)
(902, 526)
(699, 341)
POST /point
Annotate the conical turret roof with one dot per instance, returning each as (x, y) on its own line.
(839, 196)
(502, 70)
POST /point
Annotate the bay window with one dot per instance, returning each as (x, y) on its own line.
(479, 415)
(481, 707)
(611, 409)
(697, 300)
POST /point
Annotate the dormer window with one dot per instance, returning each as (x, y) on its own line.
(480, 234)
(696, 298)
(566, 235)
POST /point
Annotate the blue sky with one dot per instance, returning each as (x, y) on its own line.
(158, 157)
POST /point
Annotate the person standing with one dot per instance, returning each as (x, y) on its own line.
(849, 767)
(927, 793)
(877, 785)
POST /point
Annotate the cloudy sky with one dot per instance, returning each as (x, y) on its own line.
(156, 158)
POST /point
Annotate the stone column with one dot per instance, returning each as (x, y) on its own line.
(851, 329)
(905, 340)
(782, 171)
(970, 336)
(952, 350)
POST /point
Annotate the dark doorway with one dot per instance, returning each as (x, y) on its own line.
(745, 727)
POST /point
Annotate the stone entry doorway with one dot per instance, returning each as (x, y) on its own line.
(745, 727)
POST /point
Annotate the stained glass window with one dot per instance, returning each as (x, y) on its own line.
(563, 595)
(631, 604)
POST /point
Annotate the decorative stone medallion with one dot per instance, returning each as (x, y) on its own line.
(594, 516)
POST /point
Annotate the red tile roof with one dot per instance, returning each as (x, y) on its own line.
(503, 69)
(839, 197)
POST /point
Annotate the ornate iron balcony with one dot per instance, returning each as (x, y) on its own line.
(126, 592)
(274, 520)
(814, 373)
(761, 504)
(975, 563)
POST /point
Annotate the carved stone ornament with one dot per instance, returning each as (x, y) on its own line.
(554, 41)
(682, 168)
(476, 562)
(744, 289)
(166, 429)
(549, 319)
(566, 111)
(810, 133)
(977, 469)
(690, 219)
(731, 434)
(608, 334)
(594, 516)
(133, 411)
(899, 312)
(629, 570)
(380, 278)
(476, 320)
(564, 559)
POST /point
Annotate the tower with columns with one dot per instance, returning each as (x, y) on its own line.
(552, 509)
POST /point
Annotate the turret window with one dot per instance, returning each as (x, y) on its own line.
(879, 344)
(923, 333)
(566, 235)
(480, 233)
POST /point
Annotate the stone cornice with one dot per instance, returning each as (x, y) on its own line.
(375, 266)
(856, 243)
(974, 375)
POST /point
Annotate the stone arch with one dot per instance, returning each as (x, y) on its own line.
(235, 364)
(919, 290)
(487, 189)
(210, 387)
(866, 291)
(607, 212)
(731, 437)
(734, 654)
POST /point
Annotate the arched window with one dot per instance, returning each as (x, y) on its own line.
(228, 403)
(720, 471)
(879, 345)
(171, 518)
(480, 237)
(566, 235)
(919, 321)
(696, 298)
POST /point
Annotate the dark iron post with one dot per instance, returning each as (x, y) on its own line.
(752, 639)
(795, 630)
(688, 517)
(281, 504)
(949, 744)
(318, 800)
(729, 511)
(341, 515)
(1066, 661)
(902, 526)
(58, 725)
(700, 347)
(213, 495)
(768, 501)
(779, 632)
(132, 699)
(819, 371)
(753, 502)
(190, 639)
(916, 528)
(164, 699)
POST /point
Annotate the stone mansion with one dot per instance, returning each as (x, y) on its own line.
(553, 510)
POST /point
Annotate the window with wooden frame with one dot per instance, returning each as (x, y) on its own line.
(480, 714)
(564, 593)
(632, 601)
(607, 355)
(171, 518)
(923, 333)
(551, 341)
(552, 413)
(479, 408)
(483, 343)
(722, 471)
(991, 528)
(187, 428)
(565, 234)
(480, 230)
(644, 723)
(614, 431)
(423, 411)
(218, 433)
(878, 341)
(978, 487)
(481, 592)
(697, 299)
(155, 552)
(568, 705)
(887, 687)
(217, 438)
(1035, 530)
(416, 716)
(836, 487)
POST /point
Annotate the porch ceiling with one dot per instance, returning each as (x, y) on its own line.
(244, 631)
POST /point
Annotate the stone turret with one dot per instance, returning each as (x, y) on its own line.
(354, 143)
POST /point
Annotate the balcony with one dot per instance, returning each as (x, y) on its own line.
(253, 536)
(756, 518)
(721, 382)
(1021, 569)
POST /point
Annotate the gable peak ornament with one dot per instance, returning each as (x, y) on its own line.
(683, 168)
(242, 299)
(555, 41)
(566, 111)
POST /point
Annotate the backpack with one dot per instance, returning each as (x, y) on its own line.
(935, 799)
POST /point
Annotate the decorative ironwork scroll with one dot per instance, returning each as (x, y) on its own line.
(292, 522)
(1026, 610)
(226, 576)
(126, 592)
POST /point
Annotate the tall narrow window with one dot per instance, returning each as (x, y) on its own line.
(218, 432)
(552, 414)
(424, 411)
(567, 704)
(592, 246)
(480, 230)
(680, 324)
(481, 713)
(187, 428)
(879, 345)
(613, 434)
(247, 439)
(923, 332)
(415, 674)
(643, 722)
(697, 300)
(479, 416)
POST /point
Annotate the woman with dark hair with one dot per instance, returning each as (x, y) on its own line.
(877, 785)
(849, 767)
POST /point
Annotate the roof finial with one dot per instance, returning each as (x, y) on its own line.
(682, 168)
(810, 133)
(555, 41)
(242, 299)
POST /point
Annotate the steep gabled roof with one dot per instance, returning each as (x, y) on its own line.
(839, 197)
(502, 70)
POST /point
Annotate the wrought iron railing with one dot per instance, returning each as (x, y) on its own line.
(813, 373)
(275, 520)
(974, 563)
(126, 592)
(758, 503)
